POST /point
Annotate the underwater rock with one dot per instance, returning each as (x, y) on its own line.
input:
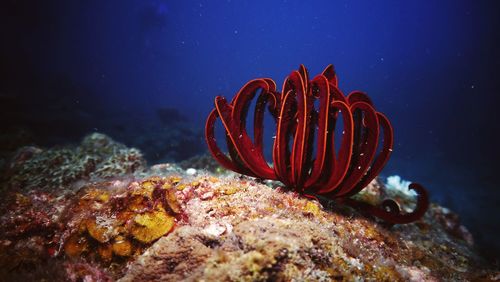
(255, 233)
(105, 223)
(163, 142)
(97, 157)
(204, 162)
(151, 226)
(165, 224)
(174, 258)
(121, 218)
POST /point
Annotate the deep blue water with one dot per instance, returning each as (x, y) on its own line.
(72, 67)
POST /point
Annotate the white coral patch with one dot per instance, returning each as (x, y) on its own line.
(395, 182)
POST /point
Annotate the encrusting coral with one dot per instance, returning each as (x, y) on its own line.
(171, 224)
(97, 157)
(240, 230)
(104, 220)
(120, 218)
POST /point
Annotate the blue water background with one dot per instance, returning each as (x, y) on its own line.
(72, 67)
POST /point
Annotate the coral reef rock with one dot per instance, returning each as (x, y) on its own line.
(98, 156)
(169, 224)
(239, 230)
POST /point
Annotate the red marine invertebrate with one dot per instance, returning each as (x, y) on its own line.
(301, 129)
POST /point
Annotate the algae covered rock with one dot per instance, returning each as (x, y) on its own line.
(122, 247)
(150, 226)
(96, 157)
(119, 219)
(256, 233)
(165, 224)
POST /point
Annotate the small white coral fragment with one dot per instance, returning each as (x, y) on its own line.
(395, 182)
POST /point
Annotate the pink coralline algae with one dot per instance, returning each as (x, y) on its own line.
(167, 224)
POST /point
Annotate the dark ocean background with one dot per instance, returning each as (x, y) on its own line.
(146, 73)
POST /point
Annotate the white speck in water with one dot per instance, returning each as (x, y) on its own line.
(359, 167)
(190, 171)
(274, 137)
(235, 31)
(343, 131)
(390, 149)
(241, 136)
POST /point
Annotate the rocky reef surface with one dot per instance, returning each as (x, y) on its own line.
(96, 212)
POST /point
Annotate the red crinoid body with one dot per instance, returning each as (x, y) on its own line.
(330, 172)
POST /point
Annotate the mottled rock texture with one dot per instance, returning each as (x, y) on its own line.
(104, 227)
(96, 157)
(245, 231)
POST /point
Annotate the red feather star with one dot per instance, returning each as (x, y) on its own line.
(309, 155)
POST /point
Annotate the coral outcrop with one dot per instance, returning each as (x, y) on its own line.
(97, 157)
(240, 230)
(171, 224)
(120, 219)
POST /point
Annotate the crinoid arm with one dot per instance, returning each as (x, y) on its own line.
(390, 212)
(326, 144)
